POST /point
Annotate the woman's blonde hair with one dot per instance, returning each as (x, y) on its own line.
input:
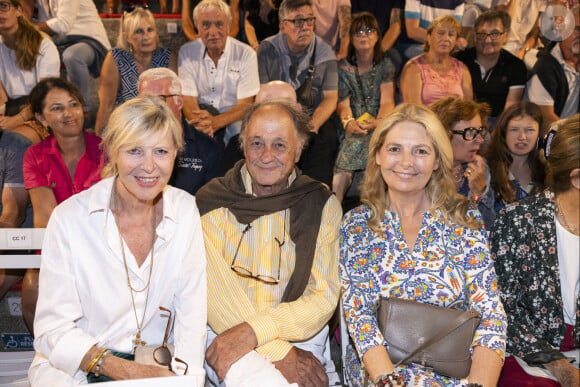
(130, 22)
(133, 122)
(438, 22)
(564, 155)
(28, 41)
(440, 189)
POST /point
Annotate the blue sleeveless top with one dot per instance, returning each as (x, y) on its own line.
(128, 73)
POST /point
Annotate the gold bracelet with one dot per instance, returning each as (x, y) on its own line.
(95, 360)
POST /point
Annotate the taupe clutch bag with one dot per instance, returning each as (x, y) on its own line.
(432, 336)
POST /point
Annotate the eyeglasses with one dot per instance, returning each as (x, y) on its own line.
(247, 273)
(5, 6)
(470, 133)
(162, 354)
(299, 22)
(365, 31)
(165, 96)
(494, 35)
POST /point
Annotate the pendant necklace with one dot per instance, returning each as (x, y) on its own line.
(567, 226)
(138, 341)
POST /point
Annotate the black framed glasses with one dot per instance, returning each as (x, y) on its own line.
(5, 6)
(260, 277)
(162, 354)
(365, 31)
(495, 35)
(299, 21)
(470, 133)
(164, 97)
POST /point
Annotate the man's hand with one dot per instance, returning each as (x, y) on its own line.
(566, 373)
(302, 367)
(229, 347)
(204, 122)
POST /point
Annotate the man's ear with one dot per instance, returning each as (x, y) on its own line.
(299, 149)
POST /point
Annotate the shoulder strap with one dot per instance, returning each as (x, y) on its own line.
(312, 58)
(459, 320)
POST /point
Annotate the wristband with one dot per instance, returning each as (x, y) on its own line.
(390, 379)
(100, 362)
(346, 121)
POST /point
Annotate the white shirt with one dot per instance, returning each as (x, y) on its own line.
(568, 252)
(83, 294)
(235, 77)
(18, 82)
(73, 17)
(525, 15)
(537, 93)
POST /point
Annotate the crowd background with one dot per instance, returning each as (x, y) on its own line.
(497, 74)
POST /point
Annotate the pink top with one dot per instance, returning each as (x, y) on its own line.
(438, 85)
(43, 166)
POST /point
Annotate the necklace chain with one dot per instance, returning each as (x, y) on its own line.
(137, 340)
(567, 225)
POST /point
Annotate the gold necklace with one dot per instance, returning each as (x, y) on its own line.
(137, 340)
(572, 229)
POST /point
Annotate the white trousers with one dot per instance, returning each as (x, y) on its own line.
(253, 370)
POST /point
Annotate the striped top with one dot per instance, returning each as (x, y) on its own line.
(428, 10)
(233, 298)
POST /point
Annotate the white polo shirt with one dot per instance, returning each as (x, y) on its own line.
(235, 76)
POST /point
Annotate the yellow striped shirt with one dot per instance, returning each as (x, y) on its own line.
(233, 299)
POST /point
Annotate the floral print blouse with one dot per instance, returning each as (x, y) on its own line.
(449, 266)
(524, 248)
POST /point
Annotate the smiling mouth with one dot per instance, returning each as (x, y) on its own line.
(146, 180)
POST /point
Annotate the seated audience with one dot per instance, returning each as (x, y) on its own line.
(271, 236)
(80, 36)
(219, 74)
(555, 81)
(435, 74)
(199, 160)
(465, 123)
(26, 56)
(513, 155)
(297, 56)
(535, 245)
(366, 94)
(137, 50)
(144, 239)
(65, 163)
(15, 209)
(419, 15)
(415, 238)
(260, 20)
(190, 30)
(333, 24)
(498, 78)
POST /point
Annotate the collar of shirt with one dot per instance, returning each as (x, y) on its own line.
(556, 52)
(100, 203)
(224, 53)
(247, 179)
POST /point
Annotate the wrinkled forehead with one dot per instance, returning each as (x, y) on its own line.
(304, 11)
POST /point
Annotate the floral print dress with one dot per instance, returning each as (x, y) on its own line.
(449, 266)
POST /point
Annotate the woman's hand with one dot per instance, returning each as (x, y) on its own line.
(369, 124)
(353, 127)
(475, 175)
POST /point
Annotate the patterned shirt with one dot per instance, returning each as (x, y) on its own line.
(449, 266)
(128, 73)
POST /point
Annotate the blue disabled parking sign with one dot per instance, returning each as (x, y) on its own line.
(17, 341)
